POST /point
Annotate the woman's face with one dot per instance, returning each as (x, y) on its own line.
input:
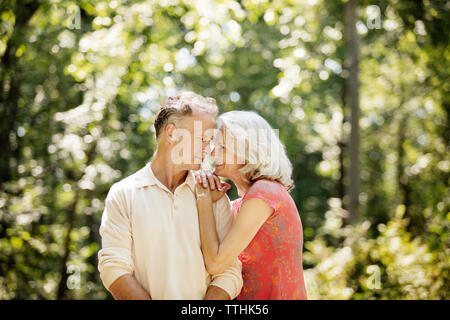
(226, 161)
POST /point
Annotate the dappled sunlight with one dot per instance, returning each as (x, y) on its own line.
(82, 81)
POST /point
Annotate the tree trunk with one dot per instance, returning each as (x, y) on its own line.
(401, 175)
(10, 79)
(71, 218)
(79, 194)
(342, 144)
(352, 100)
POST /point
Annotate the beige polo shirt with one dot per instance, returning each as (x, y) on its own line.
(154, 235)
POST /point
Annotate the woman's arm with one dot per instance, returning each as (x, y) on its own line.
(218, 256)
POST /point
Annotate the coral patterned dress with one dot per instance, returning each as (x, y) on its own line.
(272, 263)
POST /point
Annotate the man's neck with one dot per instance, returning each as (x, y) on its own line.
(168, 173)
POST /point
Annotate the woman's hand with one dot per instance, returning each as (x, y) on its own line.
(209, 185)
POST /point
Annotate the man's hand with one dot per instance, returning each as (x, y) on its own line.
(216, 293)
(126, 287)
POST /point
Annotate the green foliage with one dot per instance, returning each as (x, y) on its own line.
(393, 265)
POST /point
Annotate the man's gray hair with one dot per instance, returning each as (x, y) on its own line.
(176, 107)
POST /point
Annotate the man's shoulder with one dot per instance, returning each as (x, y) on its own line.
(125, 184)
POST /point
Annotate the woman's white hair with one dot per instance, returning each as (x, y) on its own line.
(258, 146)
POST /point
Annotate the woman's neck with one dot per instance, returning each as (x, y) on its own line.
(241, 184)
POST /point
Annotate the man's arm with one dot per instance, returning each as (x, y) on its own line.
(216, 293)
(115, 261)
(126, 287)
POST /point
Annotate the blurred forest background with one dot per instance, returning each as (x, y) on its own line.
(81, 80)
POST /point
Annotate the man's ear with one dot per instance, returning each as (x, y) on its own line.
(171, 133)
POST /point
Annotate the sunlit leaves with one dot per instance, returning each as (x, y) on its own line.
(95, 72)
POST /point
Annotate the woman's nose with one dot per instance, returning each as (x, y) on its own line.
(207, 149)
(217, 155)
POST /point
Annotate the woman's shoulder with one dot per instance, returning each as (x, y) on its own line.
(267, 185)
(267, 190)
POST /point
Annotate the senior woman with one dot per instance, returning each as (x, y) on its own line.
(266, 234)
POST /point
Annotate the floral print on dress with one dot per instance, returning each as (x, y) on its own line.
(272, 263)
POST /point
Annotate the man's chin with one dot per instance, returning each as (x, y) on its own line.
(218, 170)
(195, 166)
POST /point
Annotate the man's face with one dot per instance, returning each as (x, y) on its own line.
(195, 133)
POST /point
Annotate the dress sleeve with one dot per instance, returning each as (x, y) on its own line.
(268, 191)
(235, 206)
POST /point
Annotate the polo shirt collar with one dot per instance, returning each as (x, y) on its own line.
(145, 177)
